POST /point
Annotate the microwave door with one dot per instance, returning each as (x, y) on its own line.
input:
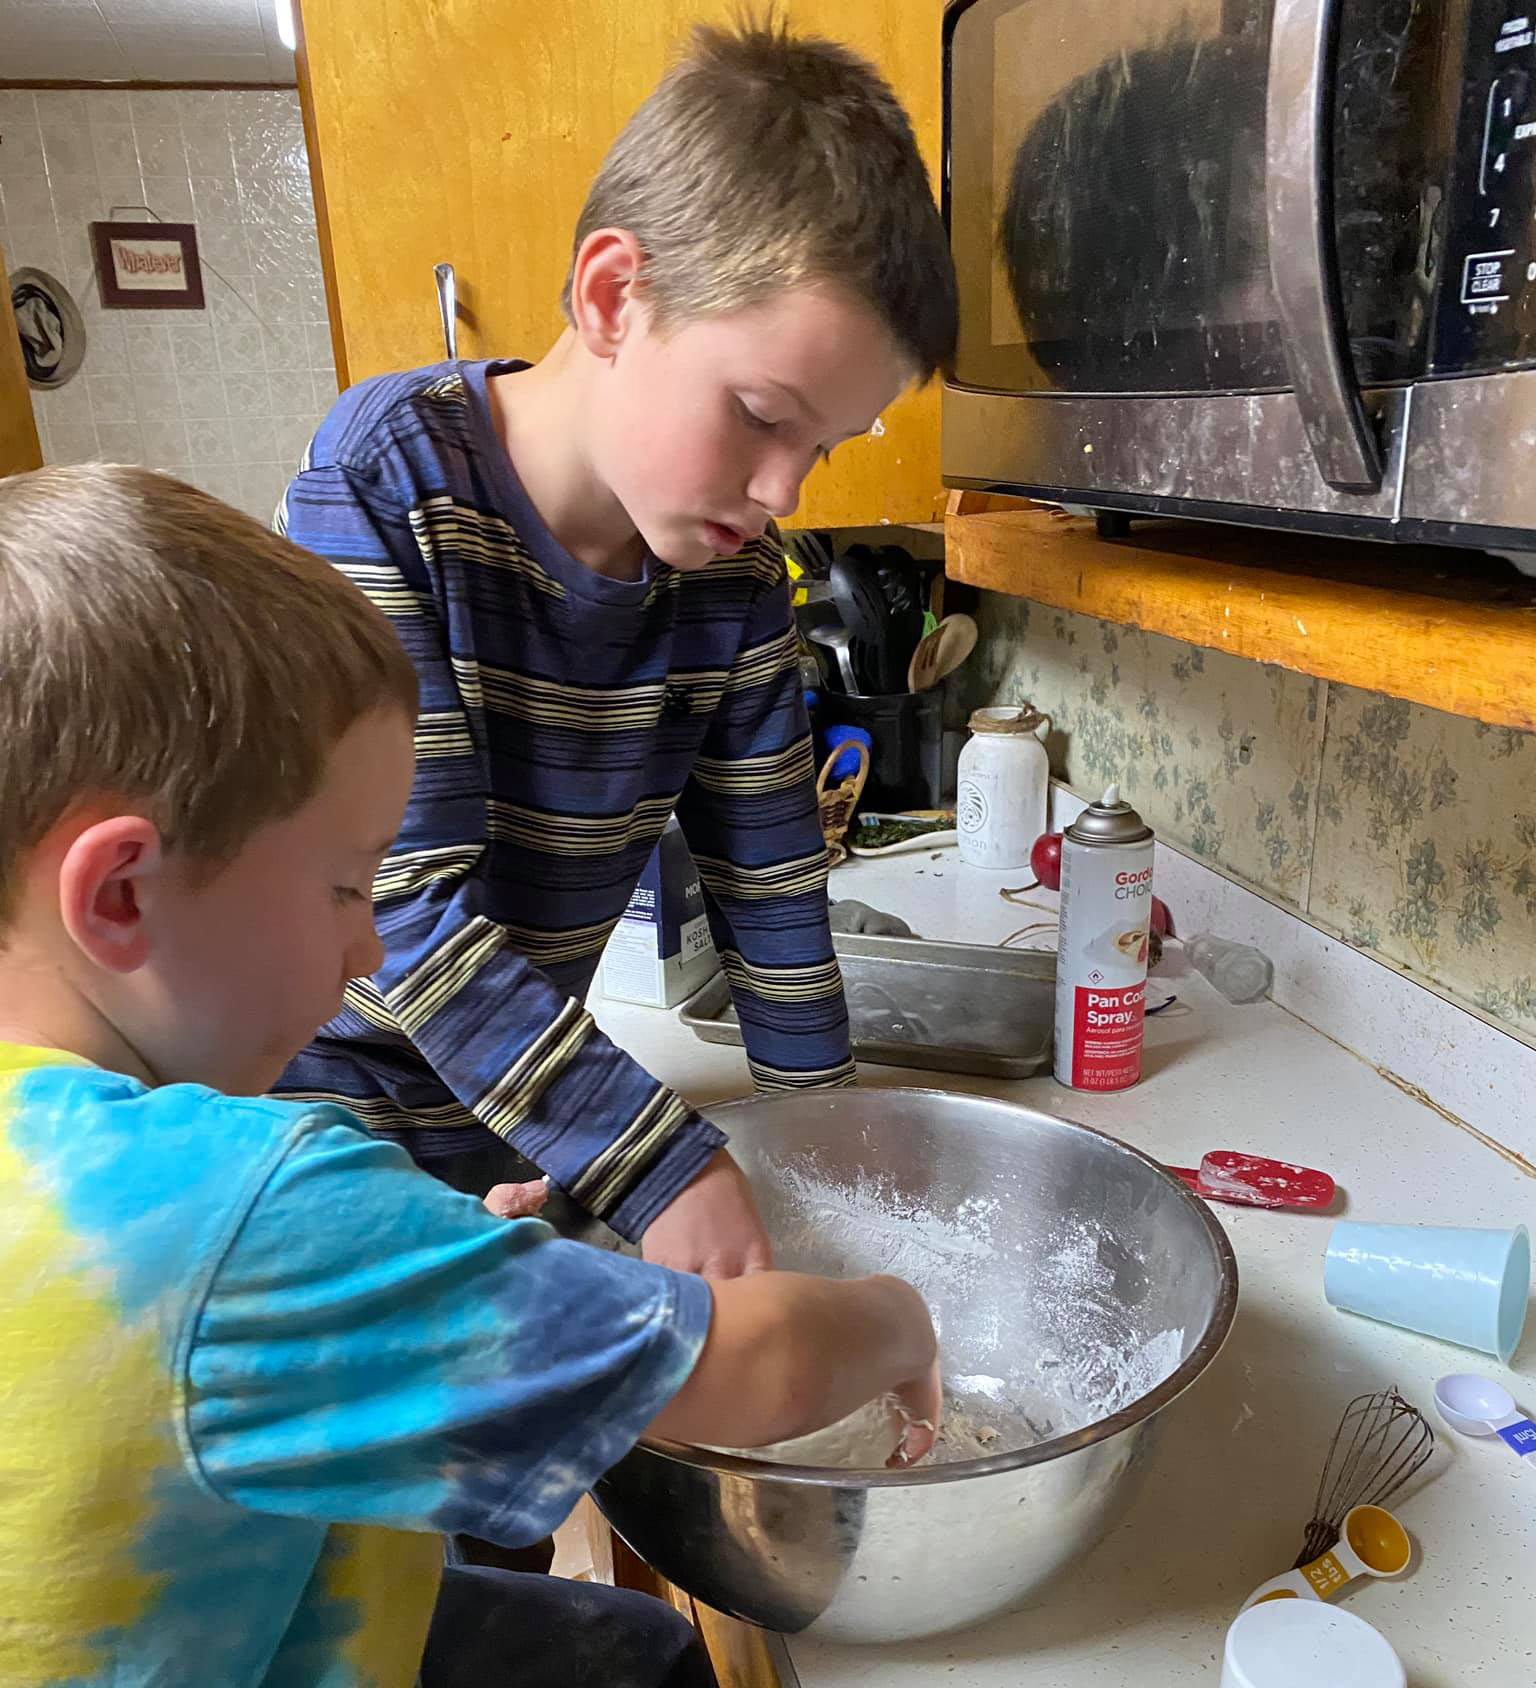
(1105, 192)
(1303, 255)
(1108, 186)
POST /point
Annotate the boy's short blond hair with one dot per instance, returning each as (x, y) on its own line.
(158, 647)
(765, 161)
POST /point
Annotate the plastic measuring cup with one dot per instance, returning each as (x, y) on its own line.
(1373, 1544)
(1477, 1406)
(1300, 1644)
(1461, 1285)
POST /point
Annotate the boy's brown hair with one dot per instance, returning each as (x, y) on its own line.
(159, 647)
(765, 161)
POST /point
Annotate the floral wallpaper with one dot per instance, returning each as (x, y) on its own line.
(1409, 833)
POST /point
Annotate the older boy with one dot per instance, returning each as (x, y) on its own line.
(579, 556)
(251, 1360)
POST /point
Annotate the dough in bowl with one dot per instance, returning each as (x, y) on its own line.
(863, 1441)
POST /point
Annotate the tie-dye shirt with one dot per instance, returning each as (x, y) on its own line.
(251, 1360)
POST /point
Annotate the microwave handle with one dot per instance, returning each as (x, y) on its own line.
(1303, 260)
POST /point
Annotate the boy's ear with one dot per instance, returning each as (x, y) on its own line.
(603, 295)
(101, 883)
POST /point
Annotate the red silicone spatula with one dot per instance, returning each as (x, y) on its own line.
(1252, 1181)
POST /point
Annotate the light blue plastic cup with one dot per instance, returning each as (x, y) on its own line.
(1469, 1287)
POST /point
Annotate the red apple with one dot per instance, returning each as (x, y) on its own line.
(1045, 860)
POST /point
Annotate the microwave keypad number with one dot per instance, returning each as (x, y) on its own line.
(1488, 319)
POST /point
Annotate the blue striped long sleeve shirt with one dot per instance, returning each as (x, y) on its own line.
(564, 717)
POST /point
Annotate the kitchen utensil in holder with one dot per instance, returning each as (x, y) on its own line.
(941, 652)
(906, 733)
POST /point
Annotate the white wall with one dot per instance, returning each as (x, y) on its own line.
(226, 397)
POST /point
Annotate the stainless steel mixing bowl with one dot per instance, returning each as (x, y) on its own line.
(1040, 1245)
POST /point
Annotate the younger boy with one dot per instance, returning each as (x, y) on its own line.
(579, 556)
(252, 1361)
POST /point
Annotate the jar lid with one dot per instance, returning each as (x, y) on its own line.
(1024, 718)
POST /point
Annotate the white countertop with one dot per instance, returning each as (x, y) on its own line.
(1230, 1486)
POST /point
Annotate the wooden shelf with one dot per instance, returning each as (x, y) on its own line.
(1452, 630)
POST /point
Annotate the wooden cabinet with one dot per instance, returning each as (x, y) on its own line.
(467, 131)
(18, 430)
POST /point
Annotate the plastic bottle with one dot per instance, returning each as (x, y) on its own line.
(1240, 972)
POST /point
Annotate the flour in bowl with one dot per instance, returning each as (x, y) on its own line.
(1053, 1323)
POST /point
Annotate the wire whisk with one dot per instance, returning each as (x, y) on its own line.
(1381, 1442)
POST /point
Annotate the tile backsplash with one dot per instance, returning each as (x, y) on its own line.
(226, 397)
(1409, 833)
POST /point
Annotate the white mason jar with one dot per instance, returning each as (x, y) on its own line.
(1004, 787)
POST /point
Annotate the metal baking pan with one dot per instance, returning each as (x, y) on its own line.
(953, 1008)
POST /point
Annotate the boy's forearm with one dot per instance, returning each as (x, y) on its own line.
(751, 818)
(787, 988)
(772, 929)
(530, 1063)
(788, 1353)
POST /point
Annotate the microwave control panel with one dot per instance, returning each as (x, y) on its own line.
(1487, 308)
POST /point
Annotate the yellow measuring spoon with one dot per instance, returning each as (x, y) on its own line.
(1374, 1544)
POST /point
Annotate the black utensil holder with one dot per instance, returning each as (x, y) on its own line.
(906, 729)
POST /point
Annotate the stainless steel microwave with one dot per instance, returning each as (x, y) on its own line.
(1249, 260)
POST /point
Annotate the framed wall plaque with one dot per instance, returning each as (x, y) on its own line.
(148, 266)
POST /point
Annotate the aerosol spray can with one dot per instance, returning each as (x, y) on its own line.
(1101, 969)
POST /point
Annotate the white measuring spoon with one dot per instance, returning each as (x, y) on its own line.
(1477, 1406)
